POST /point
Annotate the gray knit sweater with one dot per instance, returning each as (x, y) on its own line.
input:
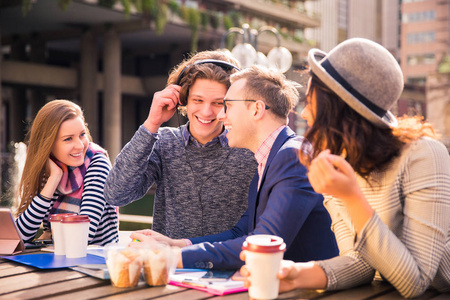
(200, 191)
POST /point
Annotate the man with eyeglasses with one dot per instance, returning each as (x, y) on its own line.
(281, 200)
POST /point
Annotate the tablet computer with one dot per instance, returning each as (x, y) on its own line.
(10, 240)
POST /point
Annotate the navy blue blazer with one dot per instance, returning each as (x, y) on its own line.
(285, 205)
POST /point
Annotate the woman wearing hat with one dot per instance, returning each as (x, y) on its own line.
(386, 182)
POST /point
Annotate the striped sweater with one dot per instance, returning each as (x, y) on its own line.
(407, 240)
(103, 227)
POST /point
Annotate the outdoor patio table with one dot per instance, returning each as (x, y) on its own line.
(19, 281)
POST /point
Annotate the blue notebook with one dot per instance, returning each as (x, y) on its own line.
(52, 261)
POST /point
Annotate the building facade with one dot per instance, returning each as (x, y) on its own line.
(111, 61)
(425, 37)
(334, 23)
(380, 21)
(438, 104)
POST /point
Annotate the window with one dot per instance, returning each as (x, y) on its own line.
(412, 60)
(429, 59)
(410, 1)
(422, 16)
(421, 37)
(421, 59)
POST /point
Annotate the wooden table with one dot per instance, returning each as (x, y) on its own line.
(19, 281)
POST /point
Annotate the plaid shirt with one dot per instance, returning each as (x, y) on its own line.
(263, 151)
(407, 239)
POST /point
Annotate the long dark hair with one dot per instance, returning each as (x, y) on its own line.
(342, 130)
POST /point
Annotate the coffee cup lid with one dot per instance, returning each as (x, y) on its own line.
(76, 219)
(59, 217)
(264, 243)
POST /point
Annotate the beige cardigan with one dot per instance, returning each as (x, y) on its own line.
(407, 240)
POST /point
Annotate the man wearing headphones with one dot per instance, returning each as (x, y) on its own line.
(202, 183)
(281, 200)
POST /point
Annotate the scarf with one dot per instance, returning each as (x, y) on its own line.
(71, 185)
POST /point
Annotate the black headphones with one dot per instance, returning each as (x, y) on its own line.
(220, 63)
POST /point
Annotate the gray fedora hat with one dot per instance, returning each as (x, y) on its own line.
(363, 74)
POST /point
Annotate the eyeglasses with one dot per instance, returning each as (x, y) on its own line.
(226, 100)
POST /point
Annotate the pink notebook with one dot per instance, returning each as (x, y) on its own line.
(219, 291)
(219, 288)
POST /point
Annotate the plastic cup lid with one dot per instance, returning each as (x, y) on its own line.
(264, 243)
(76, 219)
(59, 217)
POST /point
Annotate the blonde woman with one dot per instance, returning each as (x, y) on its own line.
(64, 172)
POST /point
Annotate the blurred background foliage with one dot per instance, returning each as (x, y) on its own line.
(157, 11)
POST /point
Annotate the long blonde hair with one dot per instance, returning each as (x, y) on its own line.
(40, 140)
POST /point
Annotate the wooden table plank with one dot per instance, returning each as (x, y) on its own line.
(302, 294)
(369, 291)
(4, 264)
(93, 293)
(236, 296)
(190, 294)
(14, 270)
(175, 292)
(18, 281)
(147, 292)
(37, 278)
(64, 287)
(445, 296)
(141, 291)
(429, 294)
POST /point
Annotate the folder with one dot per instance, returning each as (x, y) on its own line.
(52, 261)
(99, 271)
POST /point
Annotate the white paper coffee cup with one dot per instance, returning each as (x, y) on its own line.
(75, 231)
(263, 255)
(57, 232)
